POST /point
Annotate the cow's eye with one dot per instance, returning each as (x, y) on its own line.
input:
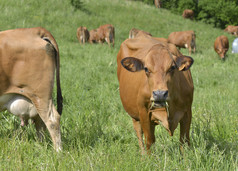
(172, 68)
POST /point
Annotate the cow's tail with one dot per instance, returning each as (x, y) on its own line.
(59, 92)
(57, 58)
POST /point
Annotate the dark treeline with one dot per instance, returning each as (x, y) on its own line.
(220, 13)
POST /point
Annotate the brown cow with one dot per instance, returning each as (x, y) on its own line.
(158, 3)
(106, 33)
(29, 59)
(221, 46)
(232, 30)
(187, 13)
(82, 35)
(133, 33)
(93, 36)
(183, 39)
(155, 86)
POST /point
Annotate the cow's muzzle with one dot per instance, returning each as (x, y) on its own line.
(159, 98)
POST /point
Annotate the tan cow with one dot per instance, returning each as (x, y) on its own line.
(187, 13)
(232, 30)
(82, 34)
(158, 3)
(29, 59)
(221, 46)
(133, 33)
(106, 33)
(93, 36)
(183, 39)
(156, 87)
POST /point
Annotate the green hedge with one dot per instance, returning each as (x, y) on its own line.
(220, 13)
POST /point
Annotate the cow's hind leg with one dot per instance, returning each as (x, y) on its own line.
(139, 133)
(51, 119)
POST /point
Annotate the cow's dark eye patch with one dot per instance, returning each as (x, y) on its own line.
(147, 71)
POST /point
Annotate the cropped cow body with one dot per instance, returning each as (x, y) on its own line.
(29, 59)
(232, 30)
(82, 35)
(221, 46)
(183, 39)
(158, 3)
(155, 86)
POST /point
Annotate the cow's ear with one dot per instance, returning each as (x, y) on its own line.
(132, 64)
(184, 62)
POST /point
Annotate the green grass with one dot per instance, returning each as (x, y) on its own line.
(97, 133)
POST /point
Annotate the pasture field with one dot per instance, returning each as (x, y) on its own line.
(97, 133)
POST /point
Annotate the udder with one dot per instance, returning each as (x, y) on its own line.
(19, 106)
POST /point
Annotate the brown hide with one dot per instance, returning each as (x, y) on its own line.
(28, 60)
(232, 30)
(136, 88)
(82, 35)
(106, 33)
(221, 46)
(183, 39)
(187, 13)
(136, 32)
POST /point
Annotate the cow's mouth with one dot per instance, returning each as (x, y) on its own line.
(158, 104)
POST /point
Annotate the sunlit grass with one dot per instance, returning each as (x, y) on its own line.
(97, 133)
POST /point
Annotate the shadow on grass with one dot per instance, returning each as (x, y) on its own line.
(217, 136)
(78, 5)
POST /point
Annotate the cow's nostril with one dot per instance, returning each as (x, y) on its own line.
(160, 95)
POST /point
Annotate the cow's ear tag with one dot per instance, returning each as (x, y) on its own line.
(132, 64)
(184, 63)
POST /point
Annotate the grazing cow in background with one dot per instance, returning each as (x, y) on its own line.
(156, 87)
(221, 46)
(183, 39)
(29, 59)
(106, 33)
(158, 3)
(133, 33)
(93, 36)
(187, 13)
(232, 30)
(82, 35)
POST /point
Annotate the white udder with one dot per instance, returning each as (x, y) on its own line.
(18, 105)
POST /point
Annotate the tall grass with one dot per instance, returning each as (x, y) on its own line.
(97, 133)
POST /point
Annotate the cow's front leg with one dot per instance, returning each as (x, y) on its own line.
(139, 133)
(185, 123)
(148, 128)
(40, 127)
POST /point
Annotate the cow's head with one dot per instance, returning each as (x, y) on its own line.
(160, 67)
(222, 52)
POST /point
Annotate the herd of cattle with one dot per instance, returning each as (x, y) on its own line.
(154, 77)
(105, 33)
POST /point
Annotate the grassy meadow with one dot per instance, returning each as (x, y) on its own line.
(97, 133)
